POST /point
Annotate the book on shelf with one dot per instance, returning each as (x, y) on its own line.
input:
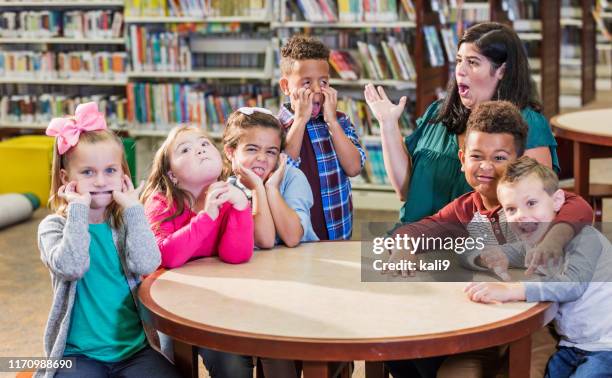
(329, 11)
(159, 48)
(68, 24)
(434, 49)
(161, 106)
(40, 109)
(344, 64)
(63, 65)
(450, 40)
(374, 168)
(196, 8)
(389, 61)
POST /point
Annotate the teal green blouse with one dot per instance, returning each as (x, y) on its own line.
(436, 178)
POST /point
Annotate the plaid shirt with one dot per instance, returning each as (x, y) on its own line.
(335, 184)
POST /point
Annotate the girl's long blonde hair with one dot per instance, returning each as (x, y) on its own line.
(114, 212)
(238, 123)
(159, 181)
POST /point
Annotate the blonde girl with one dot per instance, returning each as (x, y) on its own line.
(96, 245)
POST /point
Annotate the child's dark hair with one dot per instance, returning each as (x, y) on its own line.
(301, 47)
(525, 166)
(238, 123)
(499, 117)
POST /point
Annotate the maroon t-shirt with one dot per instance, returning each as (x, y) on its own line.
(309, 167)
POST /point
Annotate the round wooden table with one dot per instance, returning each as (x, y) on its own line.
(308, 303)
(591, 134)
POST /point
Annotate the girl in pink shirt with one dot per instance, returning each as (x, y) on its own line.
(191, 212)
(192, 215)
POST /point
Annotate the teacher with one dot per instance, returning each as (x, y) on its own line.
(424, 167)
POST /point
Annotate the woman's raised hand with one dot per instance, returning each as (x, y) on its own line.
(386, 112)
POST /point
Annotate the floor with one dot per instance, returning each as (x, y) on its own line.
(25, 290)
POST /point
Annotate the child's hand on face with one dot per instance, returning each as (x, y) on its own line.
(217, 195)
(495, 292)
(247, 177)
(128, 196)
(237, 198)
(276, 177)
(70, 193)
(495, 259)
(301, 101)
(330, 104)
(386, 112)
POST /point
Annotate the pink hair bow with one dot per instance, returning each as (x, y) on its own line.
(67, 130)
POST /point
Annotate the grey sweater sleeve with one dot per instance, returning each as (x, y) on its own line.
(64, 242)
(582, 255)
(141, 251)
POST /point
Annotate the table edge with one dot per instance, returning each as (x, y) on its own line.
(578, 136)
(371, 349)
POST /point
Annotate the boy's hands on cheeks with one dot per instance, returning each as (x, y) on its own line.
(276, 177)
(71, 194)
(329, 105)
(301, 101)
(128, 196)
(495, 292)
(216, 196)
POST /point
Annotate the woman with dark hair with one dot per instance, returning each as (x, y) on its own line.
(424, 168)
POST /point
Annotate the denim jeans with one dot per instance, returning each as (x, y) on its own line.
(145, 363)
(574, 362)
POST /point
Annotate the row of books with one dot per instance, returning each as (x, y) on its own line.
(522, 10)
(159, 49)
(63, 65)
(196, 8)
(391, 61)
(41, 109)
(435, 54)
(69, 24)
(161, 106)
(374, 169)
(326, 11)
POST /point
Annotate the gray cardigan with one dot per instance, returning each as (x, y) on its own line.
(64, 248)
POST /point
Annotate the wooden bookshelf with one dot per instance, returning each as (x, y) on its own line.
(547, 28)
(589, 62)
(63, 41)
(62, 4)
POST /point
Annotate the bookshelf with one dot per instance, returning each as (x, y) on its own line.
(578, 54)
(603, 20)
(79, 51)
(535, 22)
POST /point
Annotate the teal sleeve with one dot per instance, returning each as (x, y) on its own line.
(540, 134)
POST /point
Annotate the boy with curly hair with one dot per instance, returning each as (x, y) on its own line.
(321, 141)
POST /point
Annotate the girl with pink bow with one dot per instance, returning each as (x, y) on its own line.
(97, 245)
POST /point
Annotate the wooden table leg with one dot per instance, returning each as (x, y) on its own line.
(375, 369)
(186, 359)
(581, 169)
(520, 358)
(315, 369)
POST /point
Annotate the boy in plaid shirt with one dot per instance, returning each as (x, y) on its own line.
(321, 141)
